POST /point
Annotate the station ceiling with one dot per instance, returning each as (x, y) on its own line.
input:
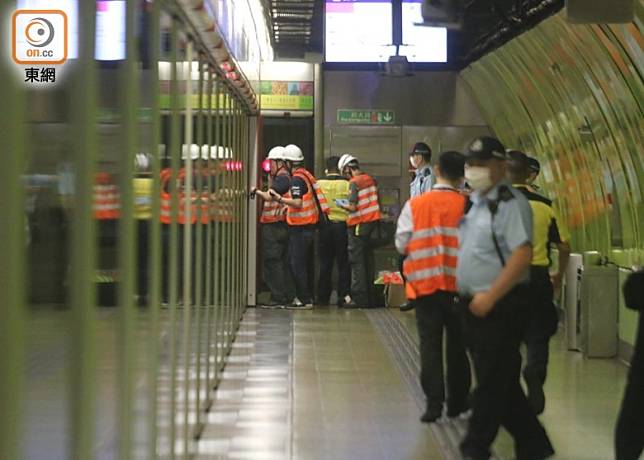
(298, 26)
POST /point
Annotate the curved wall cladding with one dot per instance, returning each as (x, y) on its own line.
(573, 96)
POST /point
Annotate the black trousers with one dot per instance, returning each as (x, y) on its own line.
(276, 270)
(332, 246)
(629, 432)
(362, 265)
(300, 241)
(143, 259)
(541, 326)
(498, 400)
(435, 313)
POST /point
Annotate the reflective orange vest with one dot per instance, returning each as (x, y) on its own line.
(308, 213)
(368, 206)
(166, 201)
(223, 205)
(107, 199)
(272, 211)
(432, 251)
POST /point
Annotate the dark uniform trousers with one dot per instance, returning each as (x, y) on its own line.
(434, 313)
(276, 270)
(362, 265)
(542, 325)
(300, 241)
(629, 433)
(332, 245)
(498, 400)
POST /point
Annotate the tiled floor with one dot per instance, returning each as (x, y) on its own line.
(313, 385)
(317, 384)
(321, 385)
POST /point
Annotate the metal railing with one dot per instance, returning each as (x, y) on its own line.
(138, 376)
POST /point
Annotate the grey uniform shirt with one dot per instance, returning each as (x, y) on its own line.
(423, 182)
(478, 262)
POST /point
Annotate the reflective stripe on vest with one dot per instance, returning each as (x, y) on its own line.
(432, 250)
(202, 203)
(106, 200)
(308, 213)
(368, 206)
(272, 212)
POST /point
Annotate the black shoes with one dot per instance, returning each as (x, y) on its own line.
(536, 397)
(407, 306)
(431, 415)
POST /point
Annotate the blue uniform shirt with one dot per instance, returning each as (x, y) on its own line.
(478, 261)
(423, 182)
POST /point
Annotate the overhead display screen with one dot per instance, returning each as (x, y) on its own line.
(358, 31)
(420, 43)
(110, 25)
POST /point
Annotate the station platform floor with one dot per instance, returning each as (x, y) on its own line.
(342, 384)
(320, 384)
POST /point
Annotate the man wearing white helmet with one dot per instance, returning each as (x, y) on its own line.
(364, 212)
(306, 205)
(276, 272)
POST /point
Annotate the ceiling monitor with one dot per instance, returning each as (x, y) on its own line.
(358, 31)
(421, 43)
(110, 26)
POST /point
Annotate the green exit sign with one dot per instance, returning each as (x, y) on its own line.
(366, 117)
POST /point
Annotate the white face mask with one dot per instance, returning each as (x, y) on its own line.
(478, 177)
(415, 162)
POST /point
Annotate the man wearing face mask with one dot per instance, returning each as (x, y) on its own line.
(420, 158)
(535, 169)
(492, 271)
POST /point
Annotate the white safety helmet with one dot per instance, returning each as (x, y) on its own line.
(293, 153)
(345, 160)
(191, 151)
(276, 153)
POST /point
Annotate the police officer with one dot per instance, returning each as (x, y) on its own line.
(493, 266)
(332, 238)
(420, 158)
(364, 211)
(276, 271)
(548, 230)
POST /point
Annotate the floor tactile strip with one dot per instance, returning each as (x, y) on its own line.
(403, 348)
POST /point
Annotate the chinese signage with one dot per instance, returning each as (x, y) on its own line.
(366, 117)
(286, 95)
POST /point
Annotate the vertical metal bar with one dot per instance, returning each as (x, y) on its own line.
(154, 242)
(126, 240)
(239, 216)
(209, 235)
(217, 249)
(175, 149)
(226, 289)
(245, 225)
(12, 268)
(187, 248)
(83, 251)
(199, 272)
(229, 228)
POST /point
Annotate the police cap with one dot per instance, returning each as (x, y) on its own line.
(485, 148)
(420, 148)
(534, 165)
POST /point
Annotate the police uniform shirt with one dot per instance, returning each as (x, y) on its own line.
(423, 182)
(334, 186)
(478, 261)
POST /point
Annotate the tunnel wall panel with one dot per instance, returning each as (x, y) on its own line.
(572, 95)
